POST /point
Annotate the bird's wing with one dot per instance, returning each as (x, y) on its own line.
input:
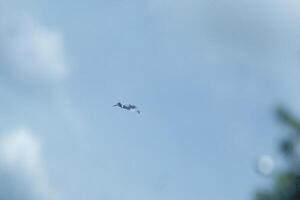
(118, 104)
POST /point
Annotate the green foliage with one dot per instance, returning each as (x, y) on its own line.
(287, 118)
(286, 183)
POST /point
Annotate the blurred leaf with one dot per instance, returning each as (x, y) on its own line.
(286, 184)
(285, 180)
(264, 195)
(287, 147)
(288, 118)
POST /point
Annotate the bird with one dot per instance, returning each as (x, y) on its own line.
(127, 107)
(118, 104)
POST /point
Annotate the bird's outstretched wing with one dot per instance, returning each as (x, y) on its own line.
(118, 104)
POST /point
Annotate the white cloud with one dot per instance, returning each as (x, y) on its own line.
(32, 50)
(38, 51)
(20, 147)
(20, 157)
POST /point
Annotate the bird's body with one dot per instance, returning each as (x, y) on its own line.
(127, 107)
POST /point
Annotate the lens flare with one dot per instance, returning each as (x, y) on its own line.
(265, 165)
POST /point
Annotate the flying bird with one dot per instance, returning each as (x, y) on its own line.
(128, 107)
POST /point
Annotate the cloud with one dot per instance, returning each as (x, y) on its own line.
(22, 164)
(38, 51)
(30, 49)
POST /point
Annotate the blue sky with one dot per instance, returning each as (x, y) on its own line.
(206, 76)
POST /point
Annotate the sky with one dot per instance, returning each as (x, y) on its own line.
(206, 75)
